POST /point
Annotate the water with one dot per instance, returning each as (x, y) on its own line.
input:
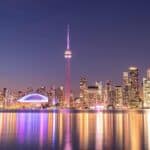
(73, 131)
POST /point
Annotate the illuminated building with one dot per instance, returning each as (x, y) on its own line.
(95, 94)
(125, 78)
(109, 94)
(4, 92)
(72, 101)
(92, 95)
(34, 98)
(1, 99)
(118, 96)
(29, 90)
(146, 89)
(52, 96)
(42, 90)
(148, 74)
(60, 94)
(20, 94)
(100, 92)
(125, 88)
(68, 56)
(83, 90)
(107, 90)
(134, 99)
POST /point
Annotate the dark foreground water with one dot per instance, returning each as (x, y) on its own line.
(73, 131)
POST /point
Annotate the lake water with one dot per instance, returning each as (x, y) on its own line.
(73, 131)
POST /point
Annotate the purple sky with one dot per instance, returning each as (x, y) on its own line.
(106, 38)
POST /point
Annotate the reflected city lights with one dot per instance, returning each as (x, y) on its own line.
(99, 131)
(76, 130)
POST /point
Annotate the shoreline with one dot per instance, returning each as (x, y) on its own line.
(71, 110)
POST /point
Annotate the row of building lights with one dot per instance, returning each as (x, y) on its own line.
(130, 94)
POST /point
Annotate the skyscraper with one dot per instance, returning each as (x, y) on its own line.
(134, 81)
(134, 87)
(118, 96)
(100, 92)
(67, 55)
(109, 93)
(125, 78)
(146, 89)
(83, 89)
(148, 73)
(125, 88)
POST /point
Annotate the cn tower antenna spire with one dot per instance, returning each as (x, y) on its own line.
(68, 37)
(68, 56)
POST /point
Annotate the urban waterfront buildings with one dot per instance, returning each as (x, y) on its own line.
(90, 95)
(128, 95)
(108, 95)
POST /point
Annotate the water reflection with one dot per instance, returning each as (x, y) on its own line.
(147, 130)
(99, 131)
(68, 131)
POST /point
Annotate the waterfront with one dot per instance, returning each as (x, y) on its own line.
(75, 130)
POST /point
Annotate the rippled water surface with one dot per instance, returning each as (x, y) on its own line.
(73, 131)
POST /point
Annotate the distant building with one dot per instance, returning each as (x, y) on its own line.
(4, 92)
(125, 78)
(90, 95)
(134, 99)
(42, 90)
(93, 95)
(60, 94)
(21, 94)
(52, 96)
(118, 96)
(1, 99)
(29, 90)
(125, 88)
(146, 89)
(100, 92)
(84, 91)
(148, 74)
(109, 93)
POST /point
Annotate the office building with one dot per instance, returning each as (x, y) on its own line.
(118, 96)
(146, 90)
(134, 99)
(125, 88)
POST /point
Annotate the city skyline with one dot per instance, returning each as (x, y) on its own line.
(32, 46)
(74, 75)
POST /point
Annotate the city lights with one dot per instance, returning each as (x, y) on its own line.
(100, 96)
(103, 95)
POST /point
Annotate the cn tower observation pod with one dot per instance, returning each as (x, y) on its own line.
(34, 98)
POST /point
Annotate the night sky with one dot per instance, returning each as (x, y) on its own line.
(106, 38)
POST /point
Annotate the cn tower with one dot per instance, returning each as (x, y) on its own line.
(67, 55)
